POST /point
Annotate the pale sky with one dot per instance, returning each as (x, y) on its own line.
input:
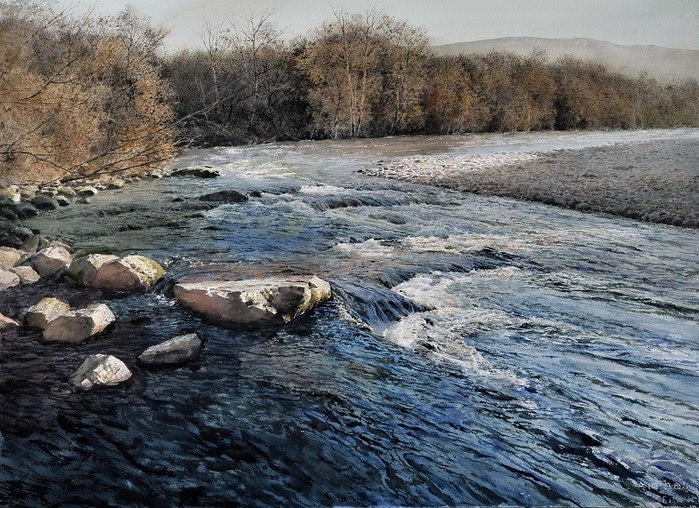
(671, 23)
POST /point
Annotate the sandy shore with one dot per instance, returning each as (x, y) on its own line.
(654, 181)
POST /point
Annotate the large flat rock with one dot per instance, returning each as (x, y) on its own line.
(257, 301)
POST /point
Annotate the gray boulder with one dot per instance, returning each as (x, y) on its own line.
(43, 202)
(173, 351)
(199, 172)
(83, 270)
(79, 325)
(100, 370)
(44, 311)
(225, 196)
(272, 300)
(51, 260)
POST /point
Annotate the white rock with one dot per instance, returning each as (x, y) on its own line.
(78, 325)
(87, 191)
(173, 351)
(68, 192)
(84, 270)
(10, 257)
(100, 370)
(11, 192)
(50, 260)
(26, 274)
(44, 311)
(7, 323)
(129, 273)
(257, 301)
(8, 280)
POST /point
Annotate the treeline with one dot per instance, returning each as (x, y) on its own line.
(371, 75)
(80, 96)
(90, 96)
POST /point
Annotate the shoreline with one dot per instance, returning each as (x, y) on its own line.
(638, 180)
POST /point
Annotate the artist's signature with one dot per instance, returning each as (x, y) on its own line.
(684, 495)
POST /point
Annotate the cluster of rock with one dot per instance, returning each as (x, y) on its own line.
(265, 301)
(25, 201)
(29, 259)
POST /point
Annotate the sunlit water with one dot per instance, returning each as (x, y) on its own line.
(477, 350)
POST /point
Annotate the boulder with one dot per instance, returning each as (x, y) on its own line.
(86, 191)
(114, 183)
(50, 260)
(78, 325)
(68, 192)
(100, 370)
(25, 210)
(31, 244)
(129, 273)
(7, 323)
(173, 351)
(62, 200)
(8, 280)
(26, 274)
(272, 300)
(84, 200)
(44, 311)
(42, 202)
(11, 193)
(83, 270)
(10, 257)
(198, 172)
(27, 192)
(225, 196)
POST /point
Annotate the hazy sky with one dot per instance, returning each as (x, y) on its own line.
(672, 23)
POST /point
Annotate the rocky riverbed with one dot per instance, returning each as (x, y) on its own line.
(657, 181)
(476, 350)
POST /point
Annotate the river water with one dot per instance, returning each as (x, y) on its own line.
(477, 350)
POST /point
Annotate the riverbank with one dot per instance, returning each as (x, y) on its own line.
(656, 181)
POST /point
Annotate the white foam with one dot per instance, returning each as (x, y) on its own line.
(368, 249)
(321, 190)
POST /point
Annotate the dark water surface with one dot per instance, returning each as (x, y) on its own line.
(478, 351)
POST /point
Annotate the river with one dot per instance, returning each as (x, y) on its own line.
(477, 350)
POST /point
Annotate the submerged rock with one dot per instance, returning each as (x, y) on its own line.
(51, 260)
(257, 301)
(130, 273)
(100, 370)
(44, 311)
(225, 196)
(26, 274)
(8, 280)
(62, 200)
(172, 352)
(84, 270)
(78, 325)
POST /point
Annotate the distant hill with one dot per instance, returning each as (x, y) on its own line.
(664, 64)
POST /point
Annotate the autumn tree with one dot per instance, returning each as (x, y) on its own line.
(78, 96)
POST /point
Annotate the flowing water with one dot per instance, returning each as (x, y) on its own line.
(477, 350)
